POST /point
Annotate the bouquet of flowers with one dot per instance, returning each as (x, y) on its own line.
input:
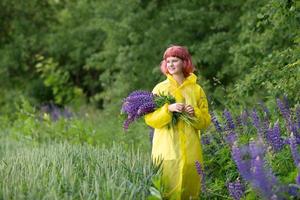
(140, 103)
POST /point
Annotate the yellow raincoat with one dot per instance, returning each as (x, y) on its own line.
(179, 147)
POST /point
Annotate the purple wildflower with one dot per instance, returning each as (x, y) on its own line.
(298, 179)
(137, 104)
(229, 121)
(139, 92)
(257, 148)
(285, 112)
(293, 190)
(67, 113)
(141, 98)
(128, 121)
(55, 111)
(201, 173)
(146, 108)
(140, 103)
(298, 116)
(255, 171)
(260, 180)
(230, 138)
(294, 150)
(274, 138)
(55, 114)
(242, 165)
(205, 139)
(215, 122)
(256, 122)
(294, 128)
(130, 108)
(244, 117)
(236, 189)
(265, 126)
(283, 109)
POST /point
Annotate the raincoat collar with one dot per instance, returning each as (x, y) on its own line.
(192, 78)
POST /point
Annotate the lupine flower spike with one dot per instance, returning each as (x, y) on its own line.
(236, 189)
(215, 122)
(140, 103)
(201, 173)
(294, 150)
(229, 121)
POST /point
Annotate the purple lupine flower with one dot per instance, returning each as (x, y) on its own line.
(139, 92)
(256, 122)
(230, 137)
(140, 103)
(256, 148)
(137, 104)
(67, 113)
(283, 109)
(146, 108)
(294, 129)
(294, 150)
(229, 121)
(265, 126)
(55, 111)
(254, 169)
(243, 166)
(215, 122)
(201, 173)
(205, 139)
(244, 117)
(274, 138)
(130, 108)
(298, 116)
(140, 98)
(285, 112)
(259, 179)
(298, 179)
(236, 189)
(128, 121)
(293, 190)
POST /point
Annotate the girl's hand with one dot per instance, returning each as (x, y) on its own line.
(189, 109)
(176, 107)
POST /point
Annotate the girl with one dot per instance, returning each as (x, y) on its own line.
(179, 146)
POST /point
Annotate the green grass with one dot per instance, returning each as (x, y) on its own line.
(72, 171)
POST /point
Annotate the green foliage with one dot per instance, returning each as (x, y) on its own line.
(85, 127)
(58, 80)
(266, 59)
(106, 49)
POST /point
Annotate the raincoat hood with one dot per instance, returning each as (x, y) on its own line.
(191, 79)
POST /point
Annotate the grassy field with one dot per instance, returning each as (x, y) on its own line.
(65, 171)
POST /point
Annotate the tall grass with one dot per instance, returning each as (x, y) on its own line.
(73, 171)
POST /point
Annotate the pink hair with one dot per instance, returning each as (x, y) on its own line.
(179, 52)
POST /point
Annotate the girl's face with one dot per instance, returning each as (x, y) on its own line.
(174, 65)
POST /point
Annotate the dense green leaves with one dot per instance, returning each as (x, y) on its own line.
(107, 49)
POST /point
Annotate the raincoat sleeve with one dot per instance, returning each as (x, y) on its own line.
(161, 116)
(201, 112)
